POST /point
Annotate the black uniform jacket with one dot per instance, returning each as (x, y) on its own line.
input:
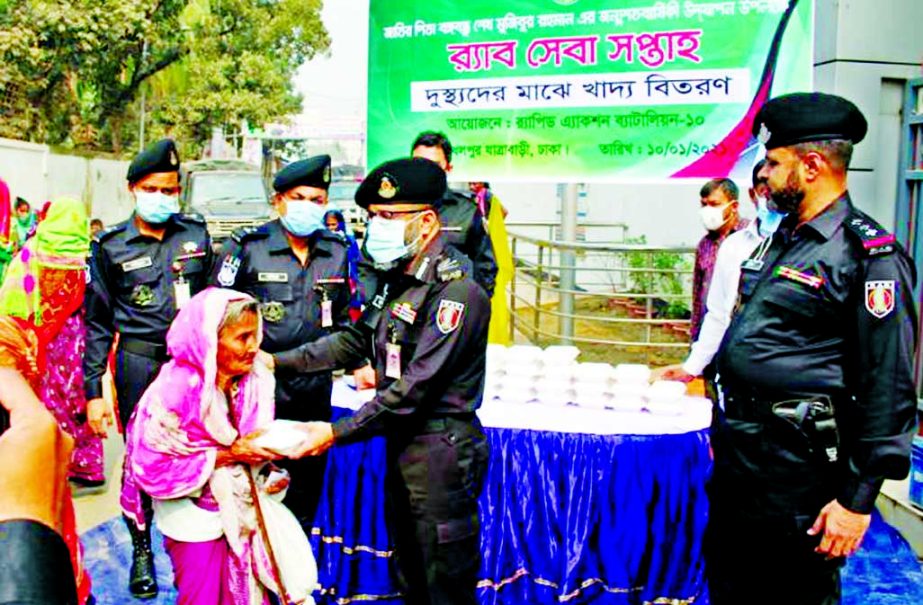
(831, 312)
(133, 286)
(438, 317)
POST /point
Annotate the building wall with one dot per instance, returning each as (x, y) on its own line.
(36, 174)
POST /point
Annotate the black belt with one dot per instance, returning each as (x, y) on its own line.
(814, 416)
(144, 348)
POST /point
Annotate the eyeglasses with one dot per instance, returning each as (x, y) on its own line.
(392, 214)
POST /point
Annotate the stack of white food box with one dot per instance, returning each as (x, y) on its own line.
(553, 376)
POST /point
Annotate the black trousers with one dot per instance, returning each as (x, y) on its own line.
(304, 398)
(434, 480)
(768, 486)
(133, 374)
(772, 561)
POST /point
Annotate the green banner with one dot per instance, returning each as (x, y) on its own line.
(583, 90)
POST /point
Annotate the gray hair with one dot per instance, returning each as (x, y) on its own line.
(236, 309)
(838, 152)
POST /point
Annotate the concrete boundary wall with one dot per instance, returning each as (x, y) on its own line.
(37, 174)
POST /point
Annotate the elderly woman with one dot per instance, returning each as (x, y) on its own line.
(192, 447)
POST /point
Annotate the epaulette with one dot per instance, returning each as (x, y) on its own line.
(247, 233)
(458, 196)
(875, 239)
(110, 231)
(329, 236)
(192, 217)
(449, 269)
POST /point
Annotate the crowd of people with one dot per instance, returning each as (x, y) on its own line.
(804, 327)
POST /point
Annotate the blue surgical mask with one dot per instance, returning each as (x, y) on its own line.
(767, 216)
(303, 218)
(155, 207)
(385, 240)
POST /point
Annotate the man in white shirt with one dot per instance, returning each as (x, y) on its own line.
(722, 292)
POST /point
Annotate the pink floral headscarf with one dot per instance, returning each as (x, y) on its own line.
(175, 433)
(181, 423)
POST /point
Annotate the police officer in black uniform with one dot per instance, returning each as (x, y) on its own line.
(816, 398)
(427, 329)
(298, 271)
(462, 222)
(141, 272)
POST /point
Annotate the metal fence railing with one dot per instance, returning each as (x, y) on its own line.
(630, 303)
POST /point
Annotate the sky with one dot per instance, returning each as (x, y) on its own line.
(334, 86)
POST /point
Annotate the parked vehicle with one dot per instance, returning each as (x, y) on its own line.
(229, 193)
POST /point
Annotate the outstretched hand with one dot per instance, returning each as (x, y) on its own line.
(319, 438)
(266, 359)
(246, 451)
(674, 372)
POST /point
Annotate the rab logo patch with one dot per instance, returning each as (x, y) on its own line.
(449, 315)
(879, 297)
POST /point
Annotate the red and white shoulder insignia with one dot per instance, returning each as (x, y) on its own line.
(879, 297)
(449, 315)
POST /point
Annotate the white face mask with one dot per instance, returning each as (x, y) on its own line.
(385, 240)
(713, 217)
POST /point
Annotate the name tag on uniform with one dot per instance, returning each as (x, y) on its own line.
(393, 360)
(181, 293)
(454, 229)
(276, 278)
(330, 280)
(326, 313)
(138, 263)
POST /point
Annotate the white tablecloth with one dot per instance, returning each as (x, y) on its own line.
(695, 415)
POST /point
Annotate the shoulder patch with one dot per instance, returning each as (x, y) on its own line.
(875, 239)
(227, 275)
(247, 233)
(449, 315)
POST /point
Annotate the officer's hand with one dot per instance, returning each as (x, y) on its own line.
(319, 439)
(99, 416)
(842, 529)
(266, 359)
(365, 377)
(674, 372)
(244, 450)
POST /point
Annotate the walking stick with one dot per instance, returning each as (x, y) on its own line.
(260, 521)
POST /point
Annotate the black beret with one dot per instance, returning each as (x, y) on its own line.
(159, 157)
(804, 117)
(404, 181)
(312, 172)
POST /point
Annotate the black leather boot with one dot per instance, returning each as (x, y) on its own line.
(142, 581)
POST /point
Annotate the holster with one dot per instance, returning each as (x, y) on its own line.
(815, 417)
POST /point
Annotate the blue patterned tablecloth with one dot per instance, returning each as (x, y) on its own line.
(566, 517)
